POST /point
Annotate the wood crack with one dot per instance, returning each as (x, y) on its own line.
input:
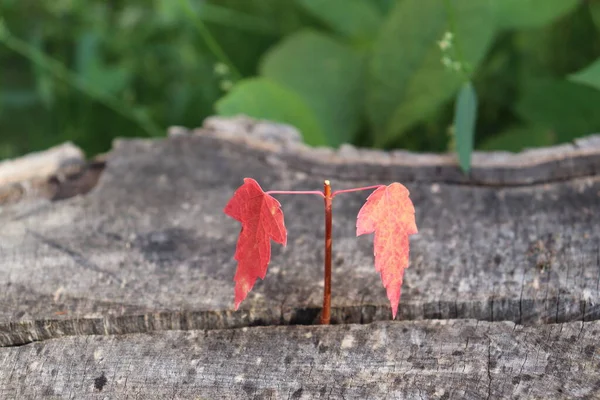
(18, 333)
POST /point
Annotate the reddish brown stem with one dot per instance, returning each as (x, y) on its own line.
(326, 313)
(355, 190)
(315, 192)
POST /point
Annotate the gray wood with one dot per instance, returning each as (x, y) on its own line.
(457, 359)
(149, 248)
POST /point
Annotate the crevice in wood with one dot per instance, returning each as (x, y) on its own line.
(26, 331)
(489, 367)
(72, 178)
(79, 183)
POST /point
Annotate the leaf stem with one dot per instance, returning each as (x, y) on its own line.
(326, 312)
(316, 192)
(355, 190)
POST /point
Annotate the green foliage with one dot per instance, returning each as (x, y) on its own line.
(355, 19)
(523, 14)
(263, 98)
(407, 81)
(327, 74)
(146, 58)
(384, 73)
(519, 138)
(588, 76)
(560, 106)
(464, 124)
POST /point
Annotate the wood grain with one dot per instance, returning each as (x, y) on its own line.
(150, 249)
(458, 359)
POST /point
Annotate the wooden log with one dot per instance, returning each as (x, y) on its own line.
(444, 359)
(581, 158)
(149, 248)
(57, 173)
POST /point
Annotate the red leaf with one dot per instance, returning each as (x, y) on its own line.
(391, 215)
(262, 220)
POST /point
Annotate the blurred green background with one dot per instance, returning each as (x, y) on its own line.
(424, 75)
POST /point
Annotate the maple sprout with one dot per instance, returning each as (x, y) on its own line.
(326, 313)
(388, 213)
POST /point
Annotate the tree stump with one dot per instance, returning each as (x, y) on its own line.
(118, 282)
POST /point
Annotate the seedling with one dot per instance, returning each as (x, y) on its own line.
(388, 212)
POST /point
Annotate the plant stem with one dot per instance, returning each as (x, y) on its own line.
(355, 190)
(327, 197)
(326, 313)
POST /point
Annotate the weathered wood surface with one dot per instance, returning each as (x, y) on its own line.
(57, 173)
(42, 164)
(581, 158)
(459, 359)
(149, 249)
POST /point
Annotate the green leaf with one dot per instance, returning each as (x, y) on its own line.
(384, 5)
(407, 81)
(588, 76)
(518, 138)
(263, 98)
(356, 19)
(465, 114)
(568, 109)
(521, 14)
(327, 75)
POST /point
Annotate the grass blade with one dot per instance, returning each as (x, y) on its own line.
(465, 114)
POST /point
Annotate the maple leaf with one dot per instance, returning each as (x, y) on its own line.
(389, 213)
(262, 220)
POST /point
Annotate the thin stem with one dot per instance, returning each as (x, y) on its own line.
(316, 192)
(326, 313)
(355, 190)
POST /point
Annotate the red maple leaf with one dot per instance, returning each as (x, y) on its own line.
(262, 220)
(391, 215)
